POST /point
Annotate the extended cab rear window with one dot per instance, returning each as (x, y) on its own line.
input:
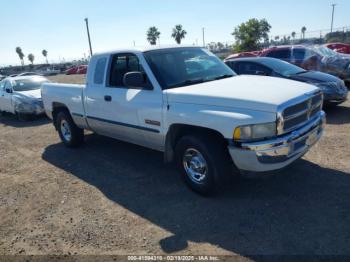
(100, 71)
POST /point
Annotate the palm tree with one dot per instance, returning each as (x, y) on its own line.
(31, 58)
(44, 52)
(152, 35)
(20, 54)
(303, 30)
(293, 35)
(178, 33)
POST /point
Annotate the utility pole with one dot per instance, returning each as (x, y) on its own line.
(333, 7)
(203, 36)
(88, 33)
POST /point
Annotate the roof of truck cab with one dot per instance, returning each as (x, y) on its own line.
(144, 49)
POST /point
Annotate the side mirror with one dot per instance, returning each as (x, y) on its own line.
(8, 90)
(135, 79)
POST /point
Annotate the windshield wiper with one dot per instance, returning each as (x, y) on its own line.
(223, 77)
(188, 82)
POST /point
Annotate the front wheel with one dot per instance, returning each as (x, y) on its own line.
(70, 134)
(203, 163)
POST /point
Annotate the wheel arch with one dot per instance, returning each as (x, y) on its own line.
(176, 131)
(58, 107)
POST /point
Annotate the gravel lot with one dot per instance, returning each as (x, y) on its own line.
(109, 197)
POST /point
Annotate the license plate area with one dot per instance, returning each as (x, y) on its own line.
(303, 143)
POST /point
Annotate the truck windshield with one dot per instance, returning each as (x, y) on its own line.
(177, 67)
(28, 84)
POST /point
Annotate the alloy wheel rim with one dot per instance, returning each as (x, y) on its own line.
(65, 130)
(195, 165)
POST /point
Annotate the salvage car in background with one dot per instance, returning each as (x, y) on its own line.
(243, 54)
(318, 58)
(339, 47)
(77, 70)
(333, 88)
(21, 95)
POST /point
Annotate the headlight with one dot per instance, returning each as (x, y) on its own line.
(23, 105)
(254, 132)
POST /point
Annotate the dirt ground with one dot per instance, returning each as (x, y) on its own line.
(109, 197)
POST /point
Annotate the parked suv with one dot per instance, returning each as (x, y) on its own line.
(318, 58)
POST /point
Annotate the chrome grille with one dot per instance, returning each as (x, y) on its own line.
(297, 113)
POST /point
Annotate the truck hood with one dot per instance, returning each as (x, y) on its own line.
(29, 95)
(259, 93)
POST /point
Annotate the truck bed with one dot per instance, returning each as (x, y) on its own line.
(70, 95)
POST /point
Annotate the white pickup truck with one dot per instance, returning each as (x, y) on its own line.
(187, 103)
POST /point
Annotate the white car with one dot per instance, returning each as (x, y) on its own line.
(21, 95)
(187, 103)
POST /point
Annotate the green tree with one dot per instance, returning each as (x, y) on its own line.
(153, 35)
(249, 35)
(220, 45)
(31, 58)
(303, 30)
(20, 54)
(178, 33)
(44, 52)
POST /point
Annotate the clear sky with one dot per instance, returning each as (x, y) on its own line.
(58, 25)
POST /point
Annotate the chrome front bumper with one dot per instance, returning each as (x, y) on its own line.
(280, 152)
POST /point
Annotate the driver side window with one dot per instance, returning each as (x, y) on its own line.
(121, 65)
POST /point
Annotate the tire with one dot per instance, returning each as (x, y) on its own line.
(70, 134)
(209, 157)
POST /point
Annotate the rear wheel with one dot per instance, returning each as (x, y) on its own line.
(70, 134)
(203, 163)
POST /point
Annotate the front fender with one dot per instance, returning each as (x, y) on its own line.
(221, 119)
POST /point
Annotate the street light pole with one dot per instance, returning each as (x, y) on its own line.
(203, 37)
(333, 7)
(88, 33)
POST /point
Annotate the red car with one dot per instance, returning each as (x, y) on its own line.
(339, 47)
(82, 70)
(77, 70)
(243, 54)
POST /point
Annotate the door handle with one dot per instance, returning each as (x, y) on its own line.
(108, 98)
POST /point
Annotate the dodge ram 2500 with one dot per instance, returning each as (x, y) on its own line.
(187, 103)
